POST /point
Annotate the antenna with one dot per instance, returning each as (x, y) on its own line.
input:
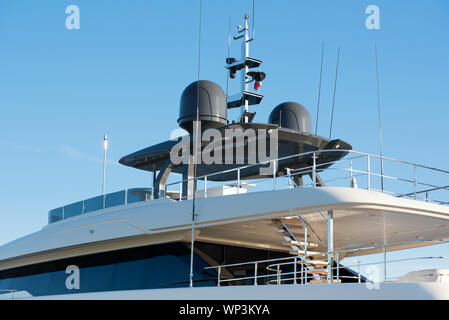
(229, 54)
(380, 127)
(335, 90)
(252, 27)
(105, 148)
(196, 135)
(319, 90)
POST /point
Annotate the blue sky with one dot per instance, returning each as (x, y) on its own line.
(123, 71)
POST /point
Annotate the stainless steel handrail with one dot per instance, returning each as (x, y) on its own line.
(315, 168)
(9, 291)
(275, 265)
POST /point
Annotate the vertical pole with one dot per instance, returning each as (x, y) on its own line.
(385, 262)
(180, 191)
(154, 182)
(305, 239)
(278, 275)
(219, 276)
(295, 261)
(414, 181)
(255, 273)
(314, 169)
(195, 153)
(338, 267)
(350, 167)
(238, 180)
(274, 175)
(302, 272)
(105, 147)
(369, 172)
(330, 244)
(205, 187)
(358, 271)
(380, 126)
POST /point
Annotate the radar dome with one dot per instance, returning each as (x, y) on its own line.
(291, 115)
(211, 102)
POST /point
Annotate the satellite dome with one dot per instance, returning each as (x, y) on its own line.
(212, 105)
(291, 115)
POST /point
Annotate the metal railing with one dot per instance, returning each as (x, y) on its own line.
(357, 169)
(361, 170)
(296, 269)
(8, 291)
(100, 202)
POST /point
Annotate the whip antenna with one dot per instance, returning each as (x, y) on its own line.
(252, 26)
(319, 90)
(195, 144)
(229, 55)
(379, 120)
(335, 90)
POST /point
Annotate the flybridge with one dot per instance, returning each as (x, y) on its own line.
(358, 170)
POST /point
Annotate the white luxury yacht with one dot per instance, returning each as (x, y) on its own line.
(283, 224)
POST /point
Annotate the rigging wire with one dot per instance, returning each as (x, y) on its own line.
(379, 121)
(195, 145)
(319, 90)
(229, 55)
(335, 90)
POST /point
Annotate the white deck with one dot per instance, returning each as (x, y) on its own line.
(362, 217)
(347, 291)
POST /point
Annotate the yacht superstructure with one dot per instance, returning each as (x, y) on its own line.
(279, 213)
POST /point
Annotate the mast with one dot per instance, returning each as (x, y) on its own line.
(245, 97)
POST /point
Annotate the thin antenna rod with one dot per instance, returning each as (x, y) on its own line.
(319, 90)
(252, 27)
(195, 151)
(105, 148)
(380, 126)
(229, 54)
(335, 90)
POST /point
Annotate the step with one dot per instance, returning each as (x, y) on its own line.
(321, 272)
(318, 281)
(321, 263)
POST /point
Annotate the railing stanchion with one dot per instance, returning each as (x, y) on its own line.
(126, 197)
(350, 168)
(255, 273)
(274, 175)
(238, 180)
(278, 274)
(302, 270)
(414, 181)
(358, 271)
(384, 249)
(219, 276)
(180, 191)
(205, 187)
(369, 172)
(314, 169)
(294, 270)
(338, 267)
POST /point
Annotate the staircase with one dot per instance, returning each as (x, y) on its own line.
(314, 270)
